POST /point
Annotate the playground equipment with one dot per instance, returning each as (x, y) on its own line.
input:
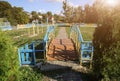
(84, 48)
(27, 53)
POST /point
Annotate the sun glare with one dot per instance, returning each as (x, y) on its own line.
(111, 2)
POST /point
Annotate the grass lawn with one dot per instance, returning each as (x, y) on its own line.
(22, 36)
(87, 33)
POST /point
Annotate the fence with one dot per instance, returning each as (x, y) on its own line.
(84, 48)
(27, 52)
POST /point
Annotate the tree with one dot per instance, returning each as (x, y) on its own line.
(107, 43)
(90, 14)
(34, 15)
(15, 15)
(77, 14)
(44, 18)
(49, 14)
(68, 11)
(20, 16)
(4, 6)
(58, 18)
(6, 11)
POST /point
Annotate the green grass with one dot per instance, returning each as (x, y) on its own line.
(87, 33)
(21, 36)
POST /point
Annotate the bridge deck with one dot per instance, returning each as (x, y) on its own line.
(62, 49)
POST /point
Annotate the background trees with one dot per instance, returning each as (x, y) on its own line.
(107, 43)
(16, 15)
(106, 37)
(76, 14)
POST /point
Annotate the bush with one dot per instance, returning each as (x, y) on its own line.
(8, 59)
(107, 51)
(28, 74)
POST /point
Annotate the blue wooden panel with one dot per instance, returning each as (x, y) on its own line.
(34, 58)
(27, 62)
(27, 54)
(86, 47)
(19, 55)
(22, 55)
(26, 50)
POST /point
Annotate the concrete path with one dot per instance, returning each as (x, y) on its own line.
(62, 34)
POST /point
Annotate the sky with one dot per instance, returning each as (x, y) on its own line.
(55, 6)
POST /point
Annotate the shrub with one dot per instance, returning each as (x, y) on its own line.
(107, 50)
(8, 59)
(28, 74)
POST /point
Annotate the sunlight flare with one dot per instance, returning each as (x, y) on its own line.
(111, 2)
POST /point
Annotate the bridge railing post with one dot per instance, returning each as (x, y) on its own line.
(84, 48)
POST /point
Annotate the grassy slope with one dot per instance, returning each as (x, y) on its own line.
(20, 37)
(87, 33)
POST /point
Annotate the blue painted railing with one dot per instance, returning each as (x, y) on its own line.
(84, 48)
(27, 52)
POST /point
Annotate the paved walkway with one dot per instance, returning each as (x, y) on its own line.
(62, 34)
(62, 48)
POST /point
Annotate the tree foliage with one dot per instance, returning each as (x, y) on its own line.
(8, 59)
(107, 43)
(78, 14)
(15, 15)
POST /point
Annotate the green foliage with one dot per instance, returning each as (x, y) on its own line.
(28, 74)
(111, 60)
(15, 15)
(20, 16)
(78, 14)
(8, 59)
(34, 15)
(21, 36)
(4, 6)
(90, 14)
(107, 47)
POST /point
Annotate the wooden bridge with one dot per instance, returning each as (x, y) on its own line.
(60, 48)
